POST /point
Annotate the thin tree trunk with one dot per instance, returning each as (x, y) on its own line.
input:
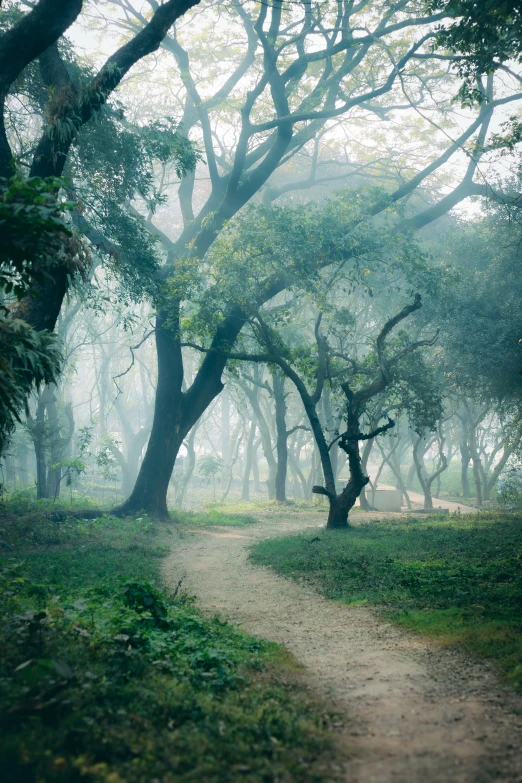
(464, 470)
(476, 469)
(266, 440)
(410, 476)
(39, 433)
(419, 465)
(298, 473)
(10, 470)
(237, 438)
(281, 436)
(395, 465)
(191, 455)
(23, 469)
(225, 432)
(255, 467)
(245, 492)
(367, 449)
(54, 475)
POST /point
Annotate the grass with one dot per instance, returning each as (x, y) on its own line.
(269, 508)
(104, 678)
(212, 517)
(457, 579)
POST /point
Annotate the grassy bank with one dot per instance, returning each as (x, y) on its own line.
(104, 678)
(457, 579)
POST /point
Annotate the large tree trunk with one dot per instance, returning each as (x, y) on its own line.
(171, 425)
(282, 437)
(338, 513)
(175, 411)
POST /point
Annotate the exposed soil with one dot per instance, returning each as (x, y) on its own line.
(414, 712)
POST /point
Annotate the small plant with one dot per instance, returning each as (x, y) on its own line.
(144, 597)
(75, 466)
(509, 488)
(105, 458)
(208, 468)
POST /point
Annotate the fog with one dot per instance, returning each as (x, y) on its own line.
(260, 269)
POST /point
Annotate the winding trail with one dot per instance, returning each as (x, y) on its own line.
(414, 713)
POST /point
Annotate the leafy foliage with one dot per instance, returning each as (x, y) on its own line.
(209, 466)
(106, 678)
(34, 239)
(27, 359)
(485, 33)
(266, 244)
(480, 314)
(113, 163)
(32, 228)
(509, 490)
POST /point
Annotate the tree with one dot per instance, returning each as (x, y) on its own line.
(33, 204)
(485, 35)
(332, 358)
(33, 236)
(294, 89)
(208, 467)
(378, 375)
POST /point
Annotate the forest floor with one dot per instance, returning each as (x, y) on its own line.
(411, 710)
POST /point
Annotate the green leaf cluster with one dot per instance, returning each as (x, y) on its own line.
(28, 359)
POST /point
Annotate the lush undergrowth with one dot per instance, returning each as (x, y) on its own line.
(458, 579)
(106, 679)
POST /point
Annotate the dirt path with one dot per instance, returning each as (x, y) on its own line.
(438, 503)
(414, 713)
(417, 501)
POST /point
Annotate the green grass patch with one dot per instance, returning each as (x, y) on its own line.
(457, 579)
(268, 508)
(104, 678)
(212, 517)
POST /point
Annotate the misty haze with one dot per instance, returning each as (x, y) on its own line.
(261, 391)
